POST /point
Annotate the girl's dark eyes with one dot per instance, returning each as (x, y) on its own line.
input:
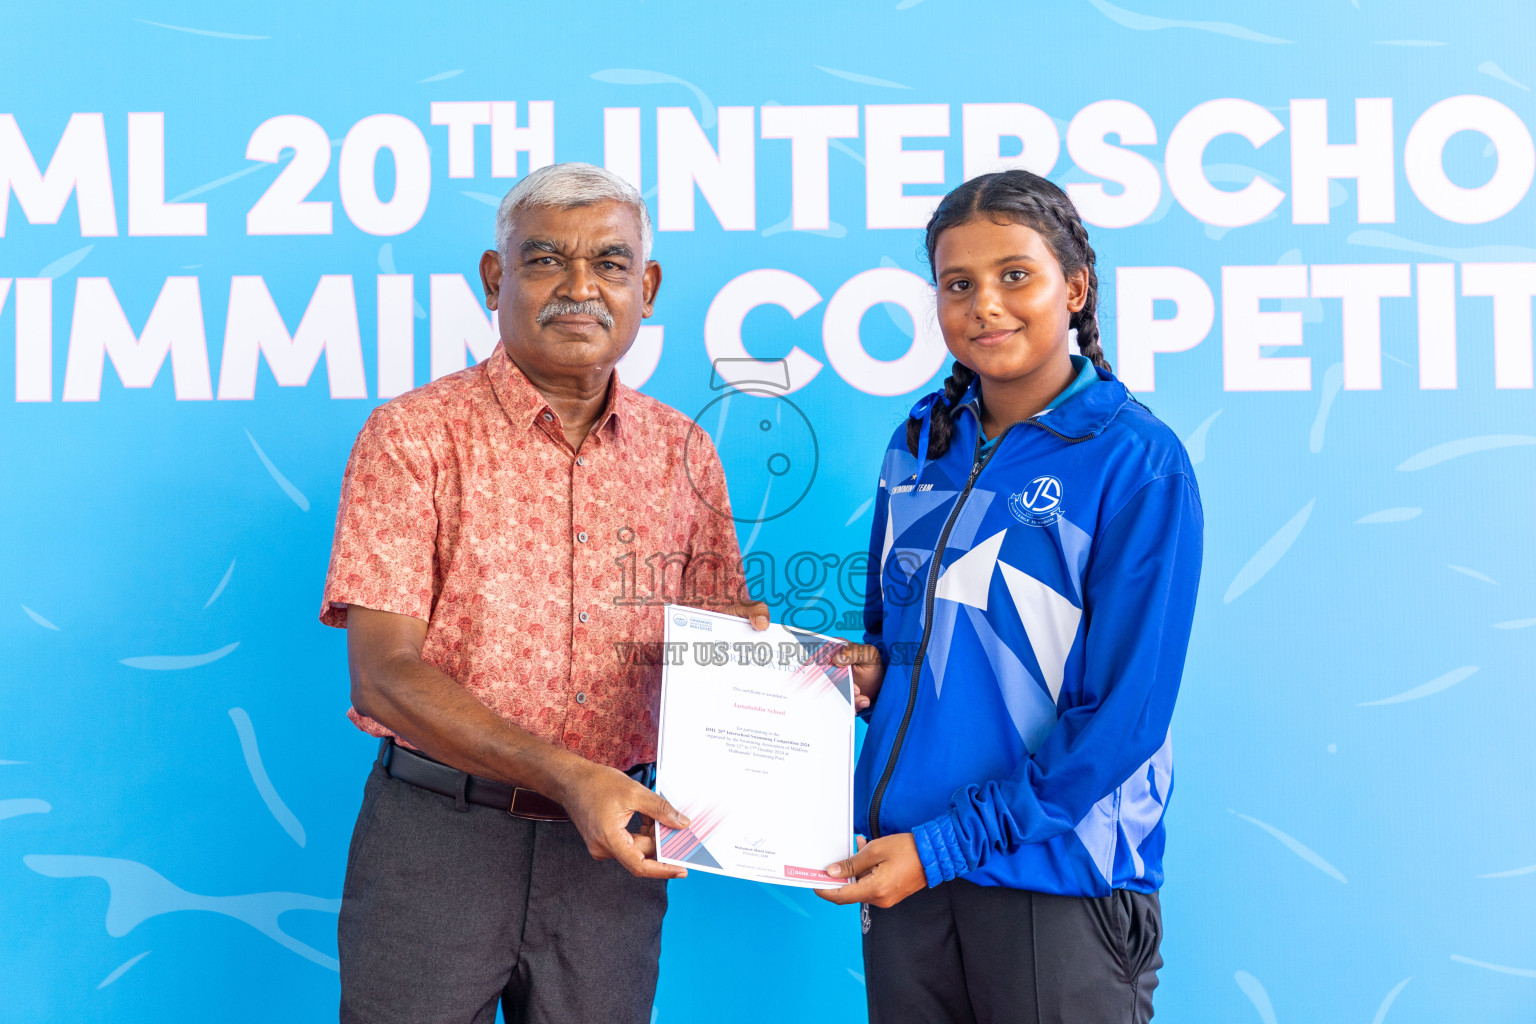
(962, 285)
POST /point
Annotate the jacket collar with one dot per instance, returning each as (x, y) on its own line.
(1087, 414)
(1079, 418)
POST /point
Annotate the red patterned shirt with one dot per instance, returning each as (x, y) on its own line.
(538, 569)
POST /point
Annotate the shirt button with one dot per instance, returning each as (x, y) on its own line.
(582, 537)
(581, 698)
(580, 461)
(582, 616)
(549, 417)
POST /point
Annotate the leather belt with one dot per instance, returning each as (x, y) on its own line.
(436, 777)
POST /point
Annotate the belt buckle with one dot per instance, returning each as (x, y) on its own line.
(539, 815)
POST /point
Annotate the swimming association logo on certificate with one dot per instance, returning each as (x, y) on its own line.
(1039, 504)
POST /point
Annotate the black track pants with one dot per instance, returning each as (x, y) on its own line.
(969, 953)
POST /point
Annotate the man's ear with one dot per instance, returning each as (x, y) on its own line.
(650, 284)
(490, 277)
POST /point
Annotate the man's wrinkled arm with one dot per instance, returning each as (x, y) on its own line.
(432, 712)
(392, 685)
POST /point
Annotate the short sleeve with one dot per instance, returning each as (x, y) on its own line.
(714, 570)
(383, 553)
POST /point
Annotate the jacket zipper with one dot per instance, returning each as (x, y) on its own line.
(978, 463)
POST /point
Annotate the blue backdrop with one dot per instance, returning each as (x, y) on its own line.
(1352, 838)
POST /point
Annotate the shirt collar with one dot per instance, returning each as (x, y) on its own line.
(525, 404)
(1087, 377)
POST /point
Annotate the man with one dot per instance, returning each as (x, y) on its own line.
(485, 561)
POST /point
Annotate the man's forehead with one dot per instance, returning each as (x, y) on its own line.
(595, 227)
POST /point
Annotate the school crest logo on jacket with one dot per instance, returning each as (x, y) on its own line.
(1038, 504)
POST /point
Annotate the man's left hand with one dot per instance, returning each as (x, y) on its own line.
(754, 611)
(887, 871)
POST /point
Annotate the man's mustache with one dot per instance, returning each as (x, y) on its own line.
(564, 307)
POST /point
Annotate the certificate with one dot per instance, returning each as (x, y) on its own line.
(756, 749)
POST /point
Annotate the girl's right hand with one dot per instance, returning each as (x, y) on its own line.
(868, 672)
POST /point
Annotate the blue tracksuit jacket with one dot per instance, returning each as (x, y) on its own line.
(1034, 603)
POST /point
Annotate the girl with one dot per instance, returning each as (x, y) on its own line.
(1032, 579)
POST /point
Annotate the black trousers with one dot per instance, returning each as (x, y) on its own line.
(961, 953)
(447, 911)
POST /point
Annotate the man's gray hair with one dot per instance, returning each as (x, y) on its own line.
(564, 187)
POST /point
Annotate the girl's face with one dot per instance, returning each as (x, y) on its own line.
(1004, 304)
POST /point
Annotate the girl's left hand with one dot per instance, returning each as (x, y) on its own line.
(887, 870)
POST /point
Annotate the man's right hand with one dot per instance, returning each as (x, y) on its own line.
(601, 801)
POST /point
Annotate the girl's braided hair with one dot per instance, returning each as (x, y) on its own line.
(1024, 198)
